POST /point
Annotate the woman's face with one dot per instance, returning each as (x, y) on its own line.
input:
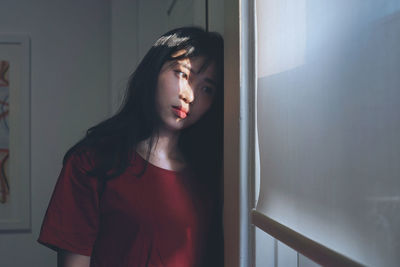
(184, 92)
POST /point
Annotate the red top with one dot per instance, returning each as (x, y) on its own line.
(152, 220)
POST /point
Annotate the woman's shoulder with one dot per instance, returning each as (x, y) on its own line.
(81, 156)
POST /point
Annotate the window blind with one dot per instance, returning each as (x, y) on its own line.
(328, 115)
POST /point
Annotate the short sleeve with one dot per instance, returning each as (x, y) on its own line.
(72, 218)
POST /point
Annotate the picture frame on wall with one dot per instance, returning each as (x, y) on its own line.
(15, 213)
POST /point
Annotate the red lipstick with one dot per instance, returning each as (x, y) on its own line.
(180, 112)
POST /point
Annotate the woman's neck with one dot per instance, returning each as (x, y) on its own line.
(164, 151)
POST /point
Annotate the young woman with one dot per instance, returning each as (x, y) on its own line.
(143, 188)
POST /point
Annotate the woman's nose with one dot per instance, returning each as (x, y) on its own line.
(186, 94)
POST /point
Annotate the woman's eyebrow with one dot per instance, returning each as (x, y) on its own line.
(210, 81)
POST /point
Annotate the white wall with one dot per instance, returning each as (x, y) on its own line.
(124, 46)
(69, 92)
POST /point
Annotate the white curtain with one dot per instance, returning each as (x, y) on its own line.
(328, 100)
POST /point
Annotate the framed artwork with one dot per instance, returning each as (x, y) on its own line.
(15, 211)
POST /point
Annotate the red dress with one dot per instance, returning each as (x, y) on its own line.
(158, 219)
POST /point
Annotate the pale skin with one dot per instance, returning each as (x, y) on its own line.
(180, 84)
(68, 259)
(183, 85)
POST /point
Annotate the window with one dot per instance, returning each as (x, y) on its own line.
(328, 105)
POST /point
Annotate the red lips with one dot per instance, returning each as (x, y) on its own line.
(181, 112)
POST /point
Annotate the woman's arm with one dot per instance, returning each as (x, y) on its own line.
(68, 259)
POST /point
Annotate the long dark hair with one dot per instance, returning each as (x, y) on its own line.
(114, 139)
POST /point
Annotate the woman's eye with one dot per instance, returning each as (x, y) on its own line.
(181, 74)
(208, 90)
